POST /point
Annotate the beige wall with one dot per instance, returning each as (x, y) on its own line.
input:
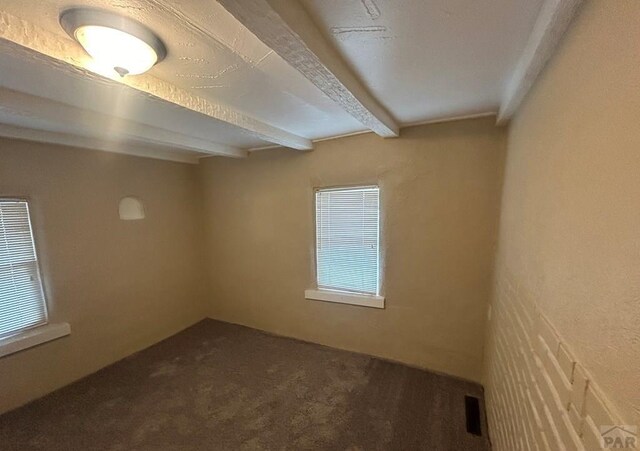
(122, 285)
(563, 345)
(440, 189)
(569, 245)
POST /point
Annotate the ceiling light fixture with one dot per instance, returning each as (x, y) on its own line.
(113, 41)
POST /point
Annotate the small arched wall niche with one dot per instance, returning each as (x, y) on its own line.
(130, 209)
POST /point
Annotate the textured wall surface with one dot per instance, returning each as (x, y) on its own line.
(539, 396)
(440, 188)
(122, 285)
(569, 243)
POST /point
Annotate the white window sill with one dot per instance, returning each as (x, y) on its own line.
(33, 337)
(342, 297)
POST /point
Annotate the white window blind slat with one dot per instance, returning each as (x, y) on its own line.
(347, 237)
(22, 303)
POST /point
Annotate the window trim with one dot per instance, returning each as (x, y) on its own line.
(43, 331)
(327, 294)
(344, 297)
(33, 336)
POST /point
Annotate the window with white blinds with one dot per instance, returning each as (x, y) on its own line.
(347, 239)
(22, 303)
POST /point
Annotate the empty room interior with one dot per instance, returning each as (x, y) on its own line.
(320, 225)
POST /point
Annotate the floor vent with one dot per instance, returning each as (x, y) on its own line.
(472, 410)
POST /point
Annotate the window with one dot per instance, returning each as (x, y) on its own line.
(347, 241)
(22, 303)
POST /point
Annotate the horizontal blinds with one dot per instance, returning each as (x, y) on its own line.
(347, 239)
(21, 298)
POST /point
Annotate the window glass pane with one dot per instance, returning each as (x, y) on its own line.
(22, 302)
(347, 239)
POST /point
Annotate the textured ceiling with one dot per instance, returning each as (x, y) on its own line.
(211, 55)
(429, 59)
(422, 59)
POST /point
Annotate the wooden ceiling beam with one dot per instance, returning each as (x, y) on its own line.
(553, 20)
(286, 28)
(21, 39)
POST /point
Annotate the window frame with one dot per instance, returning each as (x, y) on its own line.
(327, 294)
(36, 254)
(41, 332)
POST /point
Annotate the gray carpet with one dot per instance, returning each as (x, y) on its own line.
(218, 386)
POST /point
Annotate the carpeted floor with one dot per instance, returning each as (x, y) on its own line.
(218, 386)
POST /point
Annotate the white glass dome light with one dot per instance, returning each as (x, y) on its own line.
(113, 41)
